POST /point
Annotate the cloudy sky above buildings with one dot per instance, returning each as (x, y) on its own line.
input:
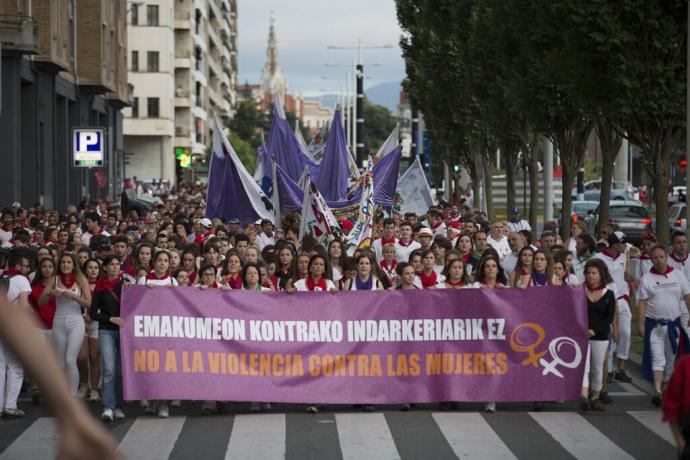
(305, 28)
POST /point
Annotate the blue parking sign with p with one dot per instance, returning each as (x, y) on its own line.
(88, 147)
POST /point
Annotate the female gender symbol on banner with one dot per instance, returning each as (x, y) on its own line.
(533, 357)
(554, 347)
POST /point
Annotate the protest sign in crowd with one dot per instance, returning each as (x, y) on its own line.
(71, 270)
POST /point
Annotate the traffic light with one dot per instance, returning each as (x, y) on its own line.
(683, 165)
(456, 168)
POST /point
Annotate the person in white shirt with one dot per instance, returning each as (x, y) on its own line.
(435, 219)
(387, 236)
(616, 261)
(663, 295)
(93, 227)
(266, 237)
(11, 369)
(678, 259)
(405, 244)
(7, 228)
(516, 223)
(453, 232)
(516, 241)
(497, 240)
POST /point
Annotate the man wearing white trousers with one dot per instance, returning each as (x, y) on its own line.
(11, 370)
(663, 295)
(617, 262)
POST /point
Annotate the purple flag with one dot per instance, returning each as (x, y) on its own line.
(238, 195)
(334, 172)
(386, 172)
(290, 194)
(285, 148)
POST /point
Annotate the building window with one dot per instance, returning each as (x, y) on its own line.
(134, 65)
(152, 15)
(135, 14)
(152, 107)
(152, 61)
(135, 107)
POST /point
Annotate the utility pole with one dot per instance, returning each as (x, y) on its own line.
(687, 133)
(548, 180)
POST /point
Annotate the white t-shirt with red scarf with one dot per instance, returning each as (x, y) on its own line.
(681, 264)
(377, 246)
(152, 280)
(403, 251)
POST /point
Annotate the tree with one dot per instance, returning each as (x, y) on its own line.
(378, 123)
(244, 150)
(248, 123)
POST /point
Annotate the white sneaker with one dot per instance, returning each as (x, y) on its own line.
(490, 408)
(83, 389)
(175, 403)
(163, 411)
(107, 415)
(119, 415)
(94, 396)
(144, 403)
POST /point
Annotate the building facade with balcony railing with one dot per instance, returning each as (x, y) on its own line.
(61, 70)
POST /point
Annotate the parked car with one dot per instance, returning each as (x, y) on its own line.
(583, 211)
(676, 217)
(620, 190)
(631, 217)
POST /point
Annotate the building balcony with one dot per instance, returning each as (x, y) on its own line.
(200, 42)
(183, 20)
(183, 101)
(199, 112)
(18, 35)
(198, 148)
(183, 59)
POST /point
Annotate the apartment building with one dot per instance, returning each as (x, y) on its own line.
(195, 80)
(63, 66)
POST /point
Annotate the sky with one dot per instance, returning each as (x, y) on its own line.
(304, 28)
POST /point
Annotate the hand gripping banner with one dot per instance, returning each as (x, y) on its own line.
(354, 347)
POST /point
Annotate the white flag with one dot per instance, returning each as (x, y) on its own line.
(317, 219)
(414, 191)
(360, 236)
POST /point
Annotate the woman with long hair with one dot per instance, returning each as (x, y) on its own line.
(335, 257)
(301, 271)
(542, 269)
(105, 308)
(212, 255)
(456, 277)
(285, 268)
(160, 275)
(406, 276)
(429, 277)
(601, 307)
(316, 280)
(72, 296)
(440, 246)
(189, 262)
(561, 275)
(521, 276)
(231, 273)
(89, 360)
(365, 280)
(45, 273)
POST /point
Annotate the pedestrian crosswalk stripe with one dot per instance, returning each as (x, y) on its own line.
(151, 438)
(257, 436)
(578, 436)
(470, 436)
(652, 421)
(365, 436)
(37, 441)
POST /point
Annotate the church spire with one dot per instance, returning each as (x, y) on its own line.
(272, 49)
(272, 79)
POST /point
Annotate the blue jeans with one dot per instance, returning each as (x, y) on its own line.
(111, 365)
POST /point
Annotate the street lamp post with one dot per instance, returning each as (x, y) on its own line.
(687, 126)
(358, 133)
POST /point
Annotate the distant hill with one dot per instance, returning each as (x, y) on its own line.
(386, 94)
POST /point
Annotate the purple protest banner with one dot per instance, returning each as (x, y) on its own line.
(354, 347)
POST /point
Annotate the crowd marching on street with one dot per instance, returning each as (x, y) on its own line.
(70, 270)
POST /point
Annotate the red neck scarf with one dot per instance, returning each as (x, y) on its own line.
(437, 225)
(153, 276)
(403, 244)
(235, 282)
(466, 257)
(394, 264)
(213, 285)
(606, 252)
(669, 269)
(644, 256)
(428, 280)
(106, 284)
(387, 241)
(192, 278)
(680, 261)
(523, 272)
(321, 283)
(7, 228)
(596, 288)
(11, 272)
(67, 280)
(455, 283)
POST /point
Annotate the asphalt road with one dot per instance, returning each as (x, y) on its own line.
(629, 428)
